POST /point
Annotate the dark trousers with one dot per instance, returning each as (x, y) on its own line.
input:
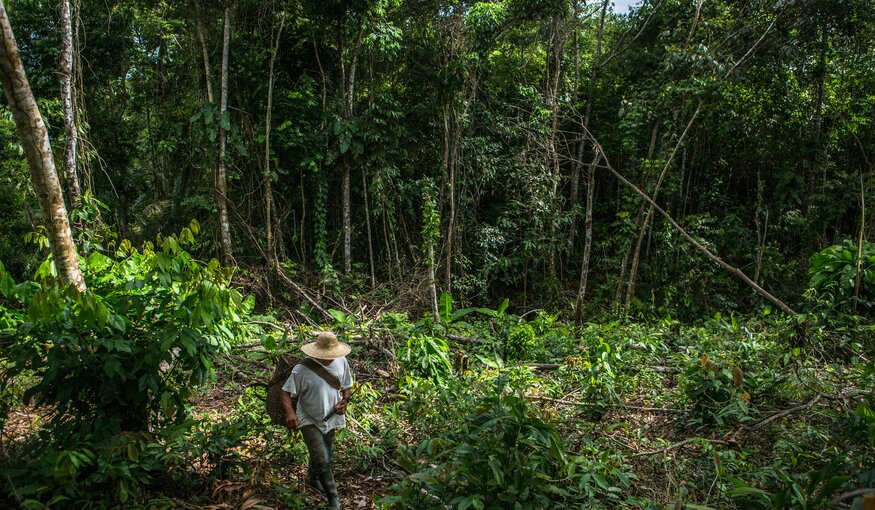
(321, 449)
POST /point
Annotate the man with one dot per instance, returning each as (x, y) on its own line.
(319, 384)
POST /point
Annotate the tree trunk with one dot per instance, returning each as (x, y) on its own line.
(587, 244)
(268, 187)
(208, 75)
(552, 152)
(347, 82)
(35, 141)
(368, 225)
(347, 219)
(221, 187)
(859, 276)
(65, 76)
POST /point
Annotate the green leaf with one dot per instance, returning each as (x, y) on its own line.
(446, 307)
(503, 306)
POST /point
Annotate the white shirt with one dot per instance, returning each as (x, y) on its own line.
(316, 398)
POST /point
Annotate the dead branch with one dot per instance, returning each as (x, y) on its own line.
(711, 256)
(678, 445)
(784, 413)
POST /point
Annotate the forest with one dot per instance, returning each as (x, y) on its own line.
(584, 254)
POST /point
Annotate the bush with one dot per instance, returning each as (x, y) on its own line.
(716, 393)
(427, 357)
(521, 342)
(833, 274)
(117, 360)
(499, 457)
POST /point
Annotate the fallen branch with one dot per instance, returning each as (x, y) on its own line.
(543, 366)
(784, 413)
(467, 339)
(288, 281)
(854, 493)
(699, 246)
(678, 445)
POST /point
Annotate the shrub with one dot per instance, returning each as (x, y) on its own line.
(833, 274)
(717, 393)
(521, 341)
(119, 359)
(427, 357)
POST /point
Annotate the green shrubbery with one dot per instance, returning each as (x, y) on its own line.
(115, 366)
(502, 455)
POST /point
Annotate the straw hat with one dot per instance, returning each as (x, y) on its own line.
(326, 346)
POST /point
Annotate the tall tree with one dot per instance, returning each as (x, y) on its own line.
(35, 140)
(65, 76)
(269, 217)
(221, 186)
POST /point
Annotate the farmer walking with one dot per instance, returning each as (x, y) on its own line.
(315, 397)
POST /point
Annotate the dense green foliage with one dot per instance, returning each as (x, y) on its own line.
(117, 364)
(464, 139)
(478, 106)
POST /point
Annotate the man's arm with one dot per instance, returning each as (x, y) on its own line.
(291, 417)
(341, 407)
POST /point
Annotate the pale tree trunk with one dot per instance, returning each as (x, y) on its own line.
(221, 187)
(368, 224)
(268, 187)
(584, 270)
(639, 217)
(347, 80)
(35, 141)
(574, 182)
(208, 74)
(552, 152)
(347, 218)
(859, 277)
(590, 181)
(65, 76)
(636, 256)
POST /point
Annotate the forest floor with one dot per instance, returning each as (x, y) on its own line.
(653, 412)
(726, 414)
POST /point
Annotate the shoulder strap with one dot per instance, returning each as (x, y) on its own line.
(320, 370)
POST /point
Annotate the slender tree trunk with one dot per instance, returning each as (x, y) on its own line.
(577, 164)
(762, 227)
(348, 86)
(208, 74)
(35, 141)
(268, 186)
(368, 225)
(552, 152)
(221, 187)
(587, 242)
(347, 218)
(587, 247)
(859, 277)
(636, 256)
(639, 217)
(447, 108)
(71, 133)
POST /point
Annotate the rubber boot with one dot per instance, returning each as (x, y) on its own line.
(315, 483)
(327, 479)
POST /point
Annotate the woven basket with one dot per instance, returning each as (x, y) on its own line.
(274, 404)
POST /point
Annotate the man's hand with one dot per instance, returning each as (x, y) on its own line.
(341, 407)
(292, 421)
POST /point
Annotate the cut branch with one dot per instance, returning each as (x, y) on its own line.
(699, 246)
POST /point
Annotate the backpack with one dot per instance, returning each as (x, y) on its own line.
(281, 373)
